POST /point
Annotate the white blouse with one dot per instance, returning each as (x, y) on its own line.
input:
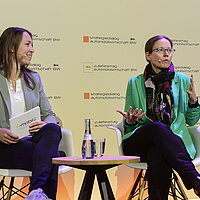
(17, 98)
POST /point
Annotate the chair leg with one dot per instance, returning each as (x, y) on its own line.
(142, 190)
(10, 188)
(177, 189)
(135, 185)
(8, 191)
(139, 186)
(2, 187)
(2, 182)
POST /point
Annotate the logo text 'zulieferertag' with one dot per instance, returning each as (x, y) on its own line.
(103, 123)
(90, 67)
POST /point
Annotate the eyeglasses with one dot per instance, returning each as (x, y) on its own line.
(162, 50)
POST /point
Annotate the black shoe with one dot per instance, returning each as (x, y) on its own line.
(196, 186)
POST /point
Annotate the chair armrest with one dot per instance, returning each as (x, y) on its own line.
(195, 134)
(117, 128)
(66, 143)
(119, 131)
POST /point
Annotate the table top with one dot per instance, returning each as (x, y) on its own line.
(105, 160)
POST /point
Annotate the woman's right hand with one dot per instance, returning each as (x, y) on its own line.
(7, 137)
(132, 118)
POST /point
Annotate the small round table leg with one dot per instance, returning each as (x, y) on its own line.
(104, 186)
(87, 186)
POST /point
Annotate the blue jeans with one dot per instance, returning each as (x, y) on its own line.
(36, 155)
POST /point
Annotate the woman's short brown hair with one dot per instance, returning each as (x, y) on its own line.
(149, 44)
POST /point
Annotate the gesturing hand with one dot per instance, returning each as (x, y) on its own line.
(191, 92)
(7, 137)
(132, 118)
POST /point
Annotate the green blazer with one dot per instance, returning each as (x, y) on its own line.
(182, 114)
(33, 98)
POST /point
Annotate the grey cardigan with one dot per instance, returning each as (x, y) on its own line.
(33, 98)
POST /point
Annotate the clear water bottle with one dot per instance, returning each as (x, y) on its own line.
(88, 144)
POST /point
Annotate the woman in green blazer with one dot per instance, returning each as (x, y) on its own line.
(160, 103)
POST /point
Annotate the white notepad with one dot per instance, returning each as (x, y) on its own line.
(20, 124)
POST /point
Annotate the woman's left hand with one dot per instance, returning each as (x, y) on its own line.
(191, 92)
(36, 126)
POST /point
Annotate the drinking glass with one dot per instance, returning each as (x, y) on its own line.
(99, 145)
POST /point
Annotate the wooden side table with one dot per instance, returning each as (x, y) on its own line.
(98, 167)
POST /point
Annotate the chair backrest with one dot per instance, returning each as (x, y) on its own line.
(119, 130)
(66, 144)
(59, 121)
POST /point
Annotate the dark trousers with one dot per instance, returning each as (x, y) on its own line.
(163, 151)
(35, 155)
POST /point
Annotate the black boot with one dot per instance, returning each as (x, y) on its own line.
(196, 186)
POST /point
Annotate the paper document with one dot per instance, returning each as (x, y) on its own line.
(20, 124)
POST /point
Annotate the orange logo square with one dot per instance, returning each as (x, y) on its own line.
(85, 38)
(86, 95)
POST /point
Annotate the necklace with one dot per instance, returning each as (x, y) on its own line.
(13, 84)
(12, 81)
